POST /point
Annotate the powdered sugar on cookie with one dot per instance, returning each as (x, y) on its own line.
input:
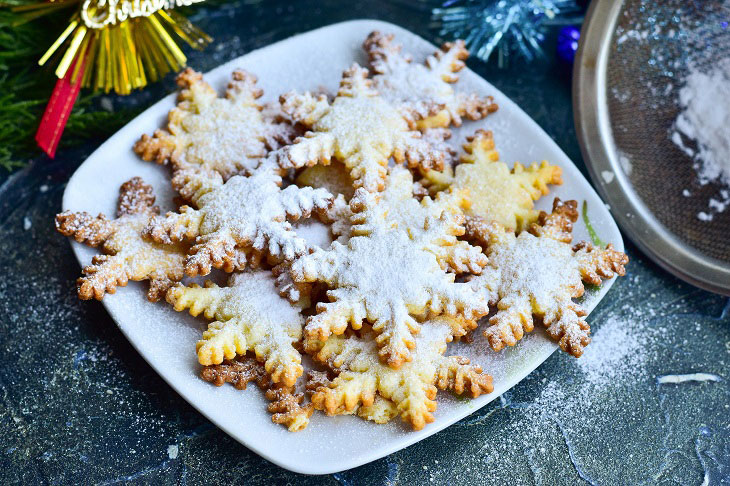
(538, 273)
(358, 128)
(228, 135)
(127, 255)
(432, 224)
(236, 222)
(250, 316)
(424, 91)
(385, 276)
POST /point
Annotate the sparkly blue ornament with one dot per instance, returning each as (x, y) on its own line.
(504, 26)
(568, 43)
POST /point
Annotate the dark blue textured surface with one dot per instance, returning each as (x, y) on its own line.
(79, 405)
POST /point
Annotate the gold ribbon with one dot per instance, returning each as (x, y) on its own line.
(124, 43)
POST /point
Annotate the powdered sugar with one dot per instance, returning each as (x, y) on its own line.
(424, 90)
(386, 279)
(538, 274)
(414, 85)
(251, 316)
(625, 163)
(127, 255)
(391, 269)
(143, 258)
(438, 139)
(359, 128)
(227, 134)
(245, 214)
(705, 118)
(316, 234)
(615, 351)
(431, 224)
(523, 267)
(529, 275)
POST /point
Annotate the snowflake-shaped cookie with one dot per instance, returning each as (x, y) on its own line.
(388, 275)
(336, 178)
(237, 222)
(285, 404)
(425, 91)
(412, 388)
(250, 316)
(358, 128)
(538, 274)
(496, 192)
(127, 255)
(229, 135)
(433, 224)
(380, 411)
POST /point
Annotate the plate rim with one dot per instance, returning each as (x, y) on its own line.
(410, 437)
(595, 136)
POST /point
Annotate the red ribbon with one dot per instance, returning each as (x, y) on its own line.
(58, 110)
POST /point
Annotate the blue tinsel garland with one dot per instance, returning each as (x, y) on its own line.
(506, 26)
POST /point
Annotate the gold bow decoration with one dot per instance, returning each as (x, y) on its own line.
(110, 45)
(119, 45)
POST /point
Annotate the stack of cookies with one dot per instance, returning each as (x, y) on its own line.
(421, 242)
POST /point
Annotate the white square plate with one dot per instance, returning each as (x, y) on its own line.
(166, 339)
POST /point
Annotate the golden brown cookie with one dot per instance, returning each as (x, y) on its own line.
(285, 404)
(127, 255)
(537, 274)
(497, 193)
(358, 128)
(361, 378)
(249, 316)
(425, 92)
(229, 135)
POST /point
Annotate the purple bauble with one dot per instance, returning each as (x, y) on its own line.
(568, 43)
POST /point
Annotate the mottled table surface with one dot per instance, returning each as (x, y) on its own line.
(79, 405)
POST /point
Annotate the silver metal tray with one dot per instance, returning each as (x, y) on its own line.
(645, 226)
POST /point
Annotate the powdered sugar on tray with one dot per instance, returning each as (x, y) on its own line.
(701, 130)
